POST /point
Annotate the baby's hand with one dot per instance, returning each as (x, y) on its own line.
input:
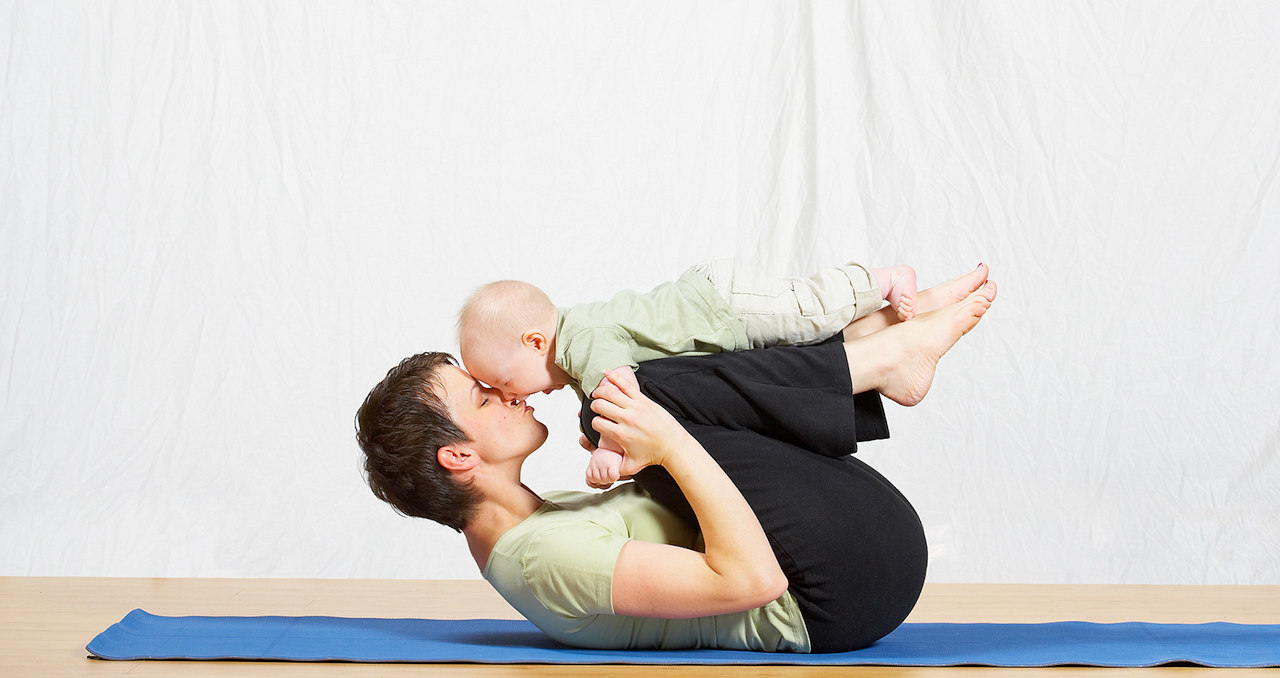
(635, 423)
(605, 466)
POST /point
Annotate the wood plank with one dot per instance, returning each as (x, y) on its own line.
(45, 622)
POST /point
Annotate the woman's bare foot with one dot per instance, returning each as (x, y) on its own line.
(932, 299)
(898, 285)
(900, 361)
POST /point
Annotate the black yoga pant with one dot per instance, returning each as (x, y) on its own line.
(781, 422)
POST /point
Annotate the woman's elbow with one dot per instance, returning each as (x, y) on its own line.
(767, 587)
(780, 584)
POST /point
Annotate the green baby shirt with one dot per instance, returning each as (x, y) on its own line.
(684, 317)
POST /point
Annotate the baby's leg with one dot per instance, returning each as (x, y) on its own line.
(898, 286)
(793, 311)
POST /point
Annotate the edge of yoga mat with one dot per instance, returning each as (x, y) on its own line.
(141, 635)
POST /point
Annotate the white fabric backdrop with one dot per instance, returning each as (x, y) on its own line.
(222, 222)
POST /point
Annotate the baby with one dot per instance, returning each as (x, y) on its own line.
(512, 337)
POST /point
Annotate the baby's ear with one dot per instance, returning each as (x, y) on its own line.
(537, 341)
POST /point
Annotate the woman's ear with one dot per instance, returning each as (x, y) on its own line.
(457, 457)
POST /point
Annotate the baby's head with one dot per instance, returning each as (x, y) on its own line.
(506, 333)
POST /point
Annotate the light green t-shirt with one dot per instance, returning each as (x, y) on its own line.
(556, 568)
(684, 317)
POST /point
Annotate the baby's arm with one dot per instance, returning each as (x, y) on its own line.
(606, 459)
(585, 355)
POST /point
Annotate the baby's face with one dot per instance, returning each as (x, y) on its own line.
(517, 371)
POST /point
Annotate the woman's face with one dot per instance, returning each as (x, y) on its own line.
(498, 430)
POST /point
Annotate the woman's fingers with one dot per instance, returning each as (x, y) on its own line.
(608, 409)
(625, 379)
(605, 427)
(629, 418)
(618, 383)
(609, 391)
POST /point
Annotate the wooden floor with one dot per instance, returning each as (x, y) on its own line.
(46, 622)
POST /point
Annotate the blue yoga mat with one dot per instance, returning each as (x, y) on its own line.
(141, 635)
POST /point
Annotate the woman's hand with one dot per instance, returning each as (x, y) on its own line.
(646, 433)
(737, 570)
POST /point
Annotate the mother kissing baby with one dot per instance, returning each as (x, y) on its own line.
(748, 524)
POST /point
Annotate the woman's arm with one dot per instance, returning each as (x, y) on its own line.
(737, 572)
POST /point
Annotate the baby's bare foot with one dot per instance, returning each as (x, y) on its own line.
(898, 285)
(911, 351)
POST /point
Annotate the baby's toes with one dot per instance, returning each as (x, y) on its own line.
(906, 310)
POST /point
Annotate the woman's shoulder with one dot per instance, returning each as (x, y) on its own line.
(567, 515)
(623, 512)
(561, 558)
(572, 500)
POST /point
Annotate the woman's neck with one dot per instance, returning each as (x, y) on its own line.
(496, 515)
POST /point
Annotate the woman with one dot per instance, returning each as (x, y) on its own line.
(797, 547)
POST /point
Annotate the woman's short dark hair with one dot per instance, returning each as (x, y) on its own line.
(401, 426)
